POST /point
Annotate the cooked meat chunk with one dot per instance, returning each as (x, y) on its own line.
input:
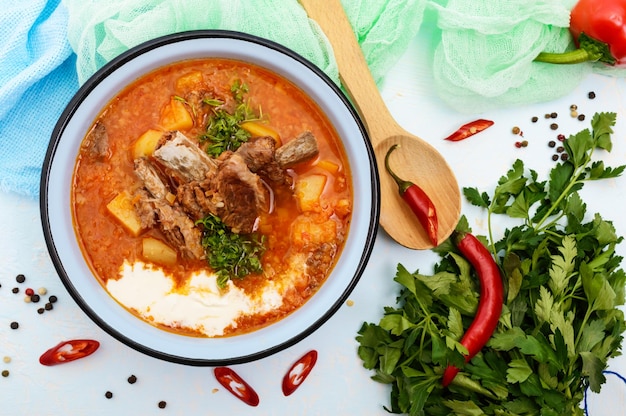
(259, 156)
(98, 142)
(179, 230)
(199, 198)
(300, 149)
(183, 159)
(244, 194)
(150, 178)
(145, 209)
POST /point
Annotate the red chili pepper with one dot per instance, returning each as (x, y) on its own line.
(236, 385)
(491, 298)
(469, 129)
(298, 372)
(599, 29)
(418, 201)
(67, 351)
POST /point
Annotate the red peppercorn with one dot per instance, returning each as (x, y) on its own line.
(518, 144)
(561, 137)
(29, 292)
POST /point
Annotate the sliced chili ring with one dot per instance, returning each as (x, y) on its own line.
(236, 385)
(67, 351)
(298, 372)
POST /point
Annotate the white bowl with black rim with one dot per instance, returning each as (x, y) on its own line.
(61, 239)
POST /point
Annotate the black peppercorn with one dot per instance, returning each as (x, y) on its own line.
(40, 311)
(132, 379)
(581, 117)
(162, 404)
(564, 156)
(52, 299)
(5, 373)
(15, 290)
(20, 278)
(551, 143)
(591, 95)
(553, 115)
(48, 306)
(35, 298)
(554, 126)
(560, 149)
(108, 395)
(555, 157)
(534, 119)
(14, 325)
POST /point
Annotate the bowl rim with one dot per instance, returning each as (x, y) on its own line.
(102, 74)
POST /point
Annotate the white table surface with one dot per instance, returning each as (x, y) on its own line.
(338, 384)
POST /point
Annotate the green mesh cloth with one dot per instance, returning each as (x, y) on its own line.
(484, 58)
(482, 50)
(99, 30)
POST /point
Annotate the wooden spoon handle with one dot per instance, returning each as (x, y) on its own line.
(353, 70)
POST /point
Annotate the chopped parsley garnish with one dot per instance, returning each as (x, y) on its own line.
(232, 256)
(562, 318)
(223, 129)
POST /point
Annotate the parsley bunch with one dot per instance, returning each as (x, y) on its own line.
(230, 255)
(561, 320)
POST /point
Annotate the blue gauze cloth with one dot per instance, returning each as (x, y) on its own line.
(37, 79)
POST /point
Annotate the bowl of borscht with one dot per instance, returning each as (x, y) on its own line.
(209, 198)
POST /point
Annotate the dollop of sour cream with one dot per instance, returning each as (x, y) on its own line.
(200, 305)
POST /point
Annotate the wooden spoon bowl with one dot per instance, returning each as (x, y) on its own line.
(415, 160)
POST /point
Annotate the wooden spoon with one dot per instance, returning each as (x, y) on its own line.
(415, 160)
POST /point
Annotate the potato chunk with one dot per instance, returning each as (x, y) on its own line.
(146, 143)
(308, 191)
(175, 116)
(121, 207)
(156, 251)
(257, 129)
(189, 81)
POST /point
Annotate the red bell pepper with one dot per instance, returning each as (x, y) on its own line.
(67, 351)
(599, 29)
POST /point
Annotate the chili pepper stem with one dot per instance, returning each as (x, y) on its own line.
(402, 184)
(589, 50)
(576, 56)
